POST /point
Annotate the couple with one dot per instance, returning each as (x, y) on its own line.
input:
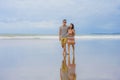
(66, 36)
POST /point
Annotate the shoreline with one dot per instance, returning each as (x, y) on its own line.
(56, 37)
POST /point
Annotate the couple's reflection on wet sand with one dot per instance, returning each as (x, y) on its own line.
(68, 69)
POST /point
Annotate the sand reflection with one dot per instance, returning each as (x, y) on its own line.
(68, 69)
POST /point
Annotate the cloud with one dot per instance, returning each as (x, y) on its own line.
(29, 27)
(74, 9)
(85, 14)
(42, 24)
(62, 7)
(36, 4)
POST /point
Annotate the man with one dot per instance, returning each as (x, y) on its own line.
(63, 36)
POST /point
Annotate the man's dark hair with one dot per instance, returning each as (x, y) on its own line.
(64, 20)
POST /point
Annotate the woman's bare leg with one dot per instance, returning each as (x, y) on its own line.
(68, 49)
(68, 54)
(73, 47)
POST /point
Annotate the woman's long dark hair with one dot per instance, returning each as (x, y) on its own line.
(72, 25)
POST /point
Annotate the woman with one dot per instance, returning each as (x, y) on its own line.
(70, 39)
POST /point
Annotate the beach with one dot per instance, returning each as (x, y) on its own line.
(40, 59)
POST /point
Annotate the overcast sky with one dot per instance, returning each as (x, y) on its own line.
(45, 16)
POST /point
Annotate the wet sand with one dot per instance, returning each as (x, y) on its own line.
(41, 59)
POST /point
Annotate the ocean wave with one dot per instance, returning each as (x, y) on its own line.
(56, 37)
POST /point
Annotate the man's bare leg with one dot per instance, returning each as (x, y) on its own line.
(64, 49)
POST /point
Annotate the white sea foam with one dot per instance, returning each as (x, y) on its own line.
(56, 37)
